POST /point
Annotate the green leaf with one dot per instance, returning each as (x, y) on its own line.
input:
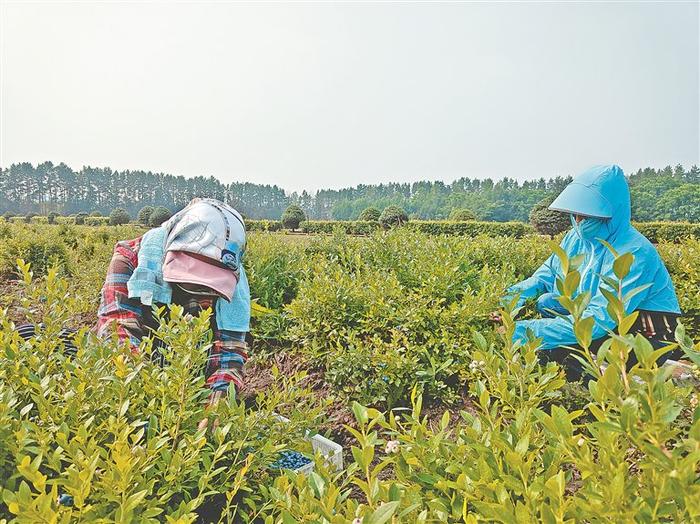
(627, 322)
(317, 484)
(631, 293)
(394, 492)
(360, 413)
(610, 248)
(287, 518)
(383, 513)
(445, 420)
(576, 261)
(480, 341)
(583, 329)
(571, 283)
(561, 254)
(522, 446)
(622, 264)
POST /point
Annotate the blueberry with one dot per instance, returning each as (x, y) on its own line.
(290, 460)
(65, 499)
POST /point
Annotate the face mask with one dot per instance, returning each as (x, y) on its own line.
(588, 228)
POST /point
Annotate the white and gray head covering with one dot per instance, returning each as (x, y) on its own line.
(209, 228)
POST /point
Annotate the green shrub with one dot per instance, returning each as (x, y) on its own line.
(118, 434)
(683, 262)
(80, 218)
(547, 221)
(263, 225)
(471, 229)
(393, 216)
(462, 215)
(118, 217)
(95, 214)
(144, 215)
(513, 456)
(655, 231)
(370, 214)
(379, 319)
(158, 216)
(51, 218)
(8, 216)
(28, 217)
(37, 247)
(668, 231)
(430, 227)
(329, 226)
(97, 221)
(293, 216)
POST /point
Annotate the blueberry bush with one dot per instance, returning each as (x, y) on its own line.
(442, 417)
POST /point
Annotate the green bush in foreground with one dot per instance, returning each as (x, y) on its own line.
(119, 434)
(36, 246)
(636, 446)
(373, 317)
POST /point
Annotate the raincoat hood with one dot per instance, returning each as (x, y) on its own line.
(599, 192)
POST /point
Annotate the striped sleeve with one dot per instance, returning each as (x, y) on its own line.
(118, 313)
(226, 359)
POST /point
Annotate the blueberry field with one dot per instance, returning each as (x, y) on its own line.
(381, 343)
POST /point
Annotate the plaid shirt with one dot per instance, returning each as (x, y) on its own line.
(132, 321)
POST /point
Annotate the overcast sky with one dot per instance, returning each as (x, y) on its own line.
(311, 95)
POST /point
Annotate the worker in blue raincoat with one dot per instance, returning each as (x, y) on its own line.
(598, 202)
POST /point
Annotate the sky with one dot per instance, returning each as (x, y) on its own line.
(320, 95)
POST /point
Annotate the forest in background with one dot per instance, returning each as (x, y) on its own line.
(657, 194)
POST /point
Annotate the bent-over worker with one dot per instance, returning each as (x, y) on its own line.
(194, 260)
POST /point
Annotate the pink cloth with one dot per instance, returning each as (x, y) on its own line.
(187, 268)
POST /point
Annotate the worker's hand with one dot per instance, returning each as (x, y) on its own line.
(495, 317)
(213, 401)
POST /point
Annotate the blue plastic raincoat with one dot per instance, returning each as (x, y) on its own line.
(602, 194)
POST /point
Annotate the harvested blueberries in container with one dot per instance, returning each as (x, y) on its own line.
(289, 459)
(65, 500)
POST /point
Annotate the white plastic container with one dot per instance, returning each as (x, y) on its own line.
(331, 451)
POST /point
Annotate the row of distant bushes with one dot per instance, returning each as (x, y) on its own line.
(373, 220)
(435, 227)
(654, 231)
(147, 216)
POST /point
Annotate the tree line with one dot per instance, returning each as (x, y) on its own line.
(657, 194)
